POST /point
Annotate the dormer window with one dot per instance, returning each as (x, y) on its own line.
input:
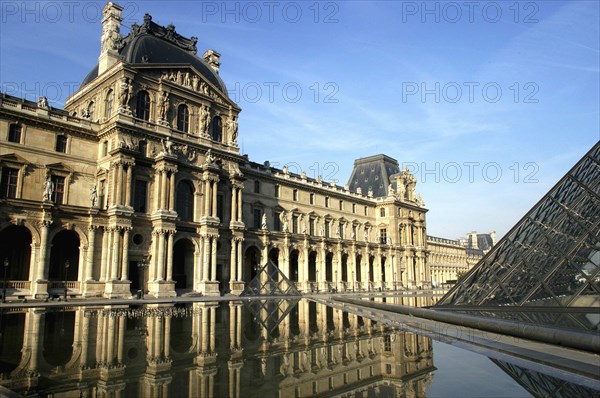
(183, 118)
(142, 109)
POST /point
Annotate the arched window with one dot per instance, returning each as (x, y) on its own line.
(91, 110)
(185, 200)
(108, 104)
(217, 129)
(142, 109)
(183, 118)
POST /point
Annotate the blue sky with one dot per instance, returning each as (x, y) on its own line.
(488, 103)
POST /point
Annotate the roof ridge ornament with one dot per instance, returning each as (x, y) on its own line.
(167, 33)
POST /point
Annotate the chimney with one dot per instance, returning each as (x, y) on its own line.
(474, 243)
(212, 58)
(111, 38)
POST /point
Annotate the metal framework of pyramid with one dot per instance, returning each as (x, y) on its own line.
(546, 270)
(270, 281)
(270, 313)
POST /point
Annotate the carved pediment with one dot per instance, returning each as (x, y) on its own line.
(13, 158)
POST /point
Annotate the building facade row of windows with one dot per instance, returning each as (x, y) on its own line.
(311, 199)
(15, 134)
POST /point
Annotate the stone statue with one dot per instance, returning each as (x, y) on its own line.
(195, 82)
(401, 190)
(391, 190)
(366, 234)
(93, 196)
(167, 146)
(186, 80)
(210, 159)
(233, 129)
(42, 102)
(286, 171)
(284, 221)
(48, 189)
(359, 190)
(163, 105)
(263, 224)
(204, 119)
(124, 93)
(420, 201)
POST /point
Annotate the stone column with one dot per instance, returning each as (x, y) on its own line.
(104, 264)
(233, 260)
(88, 274)
(240, 260)
(214, 199)
(172, 191)
(114, 269)
(160, 261)
(42, 272)
(207, 196)
(233, 203)
(213, 270)
(170, 255)
(239, 204)
(164, 193)
(125, 261)
(119, 183)
(157, 186)
(206, 258)
(128, 185)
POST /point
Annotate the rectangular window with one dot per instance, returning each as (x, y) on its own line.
(14, 133)
(353, 207)
(354, 231)
(341, 205)
(345, 378)
(140, 195)
(295, 195)
(277, 191)
(295, 224)
(311, 226)
(61, 143)
(220, 206)
(59, 189)
(388, 369)
(366, 211)
(327, 229)
(8, 183)
(105, 148)
(326, 201)
(276, 221)
(382, 212)
(382, 236)
(312, 198)
(257, 218)
(387, 344)
(256, 186)
(341, 231)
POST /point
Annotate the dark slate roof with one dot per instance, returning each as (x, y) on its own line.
(152, 44)
(374, 173)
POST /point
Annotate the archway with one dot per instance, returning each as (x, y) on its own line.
(65, 247)
(184, 202)
(371, 265)
(329, 267)
(383, 270)
(183, 264)
(274, 257)
(294, 265)
(15, 246)
(12, 328)
(344, 268)
(312, 267)
(357, 271)
(251, 263)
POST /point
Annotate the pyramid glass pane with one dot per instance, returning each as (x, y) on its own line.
(549, 261)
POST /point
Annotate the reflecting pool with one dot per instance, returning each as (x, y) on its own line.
(249, 348)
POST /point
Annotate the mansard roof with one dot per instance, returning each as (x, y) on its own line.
(153, 44)
(373, 173)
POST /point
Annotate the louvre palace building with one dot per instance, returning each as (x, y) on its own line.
(139, 184)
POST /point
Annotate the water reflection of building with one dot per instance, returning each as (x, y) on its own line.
(207, 350)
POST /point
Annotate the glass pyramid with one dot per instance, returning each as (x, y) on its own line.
(546, 270)
(270, 281)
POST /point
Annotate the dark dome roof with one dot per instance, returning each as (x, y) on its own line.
(147, 47)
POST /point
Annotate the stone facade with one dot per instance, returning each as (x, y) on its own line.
(139, 184)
